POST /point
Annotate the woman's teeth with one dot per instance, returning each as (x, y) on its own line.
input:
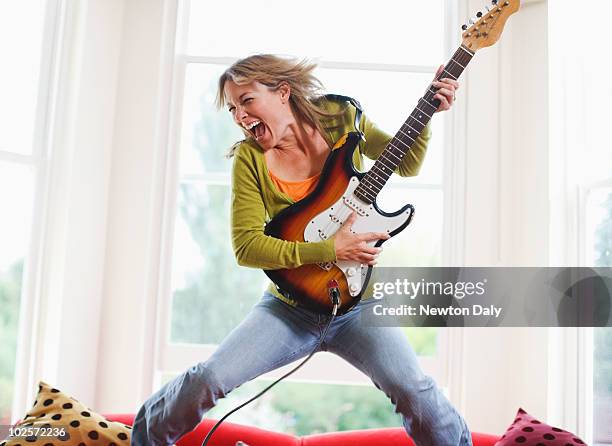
(251, 125)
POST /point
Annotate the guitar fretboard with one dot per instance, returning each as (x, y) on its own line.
(373, 181)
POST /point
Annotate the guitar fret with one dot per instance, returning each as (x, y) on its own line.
(420, 116)
(391, 165)
(364, 194)
(384, 175)
(390, 152)
(389, 170)
(416, 124)
(402, 141)
(366, 181)
(377, 176)
(374, 179)
(450, 75)
(401, 151)
(407, 136)
(417, 131)
(423, 102)
(457, 62)
(428, 106)
(467, 51)
(382, 159)
(426, 114)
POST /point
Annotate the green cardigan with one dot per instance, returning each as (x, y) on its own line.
(255, 199)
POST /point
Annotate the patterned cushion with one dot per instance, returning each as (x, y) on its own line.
(527, 431)
(65, 421)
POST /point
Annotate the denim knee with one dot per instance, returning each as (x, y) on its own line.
(177, 407)
(196, 393)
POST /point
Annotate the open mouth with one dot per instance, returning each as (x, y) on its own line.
(256, 129)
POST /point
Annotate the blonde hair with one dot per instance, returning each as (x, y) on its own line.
(274, 71)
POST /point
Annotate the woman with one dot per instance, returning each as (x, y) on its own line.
(289, 131)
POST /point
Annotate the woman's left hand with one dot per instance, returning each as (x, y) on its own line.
(446, 89)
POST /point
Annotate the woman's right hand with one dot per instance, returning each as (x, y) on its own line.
(354, 247)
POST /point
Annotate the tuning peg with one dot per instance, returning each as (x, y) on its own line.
(494, 2)
(464, 27)
(479, 14)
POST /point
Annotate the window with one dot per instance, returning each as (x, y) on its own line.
(23, 29)
(377, 63)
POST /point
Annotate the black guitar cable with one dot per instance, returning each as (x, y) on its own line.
(334, 295)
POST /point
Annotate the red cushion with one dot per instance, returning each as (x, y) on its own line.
(528, 431)
(228, 433)
(387, 437)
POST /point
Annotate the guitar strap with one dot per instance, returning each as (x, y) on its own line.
(355, 103)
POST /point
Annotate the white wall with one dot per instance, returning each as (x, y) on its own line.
(136, 188)
(505, 198)
(500, 207)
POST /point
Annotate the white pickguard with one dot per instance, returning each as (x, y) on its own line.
(328, 222)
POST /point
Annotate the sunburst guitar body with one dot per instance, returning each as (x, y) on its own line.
(318, 217)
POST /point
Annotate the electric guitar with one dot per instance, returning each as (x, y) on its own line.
(342, 189)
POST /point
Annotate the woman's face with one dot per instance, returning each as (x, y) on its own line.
(263, 113)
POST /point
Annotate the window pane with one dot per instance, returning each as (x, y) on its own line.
(389, 32)
(301, 408)
(211, 293)
(21, 28)
(424, 340)
(420, 243)
(16, 188)
(600, 222)
(207, 133)
(602, 383)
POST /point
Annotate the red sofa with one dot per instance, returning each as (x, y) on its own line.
(228, 434)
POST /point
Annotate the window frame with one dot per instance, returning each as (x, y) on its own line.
(445, 366)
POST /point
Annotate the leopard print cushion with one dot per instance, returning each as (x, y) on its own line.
(67, 423)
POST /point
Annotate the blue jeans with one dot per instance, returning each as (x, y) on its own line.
(275, 334)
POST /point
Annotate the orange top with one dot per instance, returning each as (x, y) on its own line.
(296, 190)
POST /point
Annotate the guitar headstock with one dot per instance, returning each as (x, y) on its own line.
(485, 30)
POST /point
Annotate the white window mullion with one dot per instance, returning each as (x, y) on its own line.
(47, 83)
(169, 206)
(322, 64)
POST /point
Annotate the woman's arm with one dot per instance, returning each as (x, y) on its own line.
(251, 246)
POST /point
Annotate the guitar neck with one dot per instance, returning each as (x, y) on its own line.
(373, 181)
